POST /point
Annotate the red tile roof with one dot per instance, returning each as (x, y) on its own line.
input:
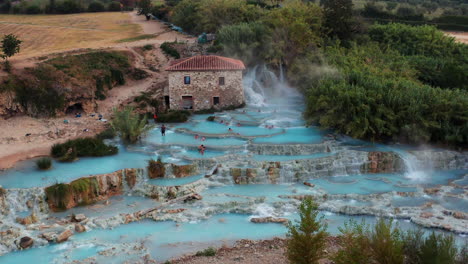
(206, 63)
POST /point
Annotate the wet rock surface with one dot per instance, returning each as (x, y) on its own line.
(26, 242)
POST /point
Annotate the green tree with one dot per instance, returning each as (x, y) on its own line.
(338, 18)
(295, 30)
(10, 46)
(306, 238)
(128, 125)
(249, 42)
(145, 6)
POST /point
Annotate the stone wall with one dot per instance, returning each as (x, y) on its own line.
(204, 85)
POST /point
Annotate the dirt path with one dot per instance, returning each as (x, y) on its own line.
(459, 36)
(16, 145)
(251, 252)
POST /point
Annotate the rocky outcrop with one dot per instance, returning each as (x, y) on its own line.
(180, 171)
(130, 177)
(62, 237)
(26, 242)
(31, 219)
(293, 149)
(269, 219)
(78, 218)
(84, 191)
(383, 162)
(79, 228)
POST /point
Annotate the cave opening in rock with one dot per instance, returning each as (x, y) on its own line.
(74, 109)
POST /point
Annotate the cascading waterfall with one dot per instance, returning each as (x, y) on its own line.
(264, 88)
(415, 169)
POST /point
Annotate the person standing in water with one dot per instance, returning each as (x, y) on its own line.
(163, 130)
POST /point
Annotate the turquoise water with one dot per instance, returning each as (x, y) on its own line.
(262, 190)
(215, 128)
(174, 138)
(26, 174)
(358, 184)
(297, 135)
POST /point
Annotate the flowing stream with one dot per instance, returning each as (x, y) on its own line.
(262, 166)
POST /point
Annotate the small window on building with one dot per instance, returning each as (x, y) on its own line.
(186, 79)
(216, 100)
(221, 80)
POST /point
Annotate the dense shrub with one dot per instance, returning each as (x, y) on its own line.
(209, 252)
(439, 60)
(377, 97)
(306, 239)
(114, 6)
(210, 118)
(68, 7)
(169, 50)
(44, 163)
(251, 42)
(174, 117)
(109, 133)
(96, 7)
(148, 47)
(355, 244)
(387, 244)
(82, 147)
(33, 10)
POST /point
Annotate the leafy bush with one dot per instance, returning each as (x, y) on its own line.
(96, 6)
(109, 133)
(209, 252)
(248, 41)
(44, 163)
(114, 6)
(306, 239)
(128, 125)
(439, 60)
(210, 118)
(386, 243)
(68, 7)
(148, 47)
(82, 147)
(33, 10)
(377, 97)
(169, 50)
(435, 249)
(174, 117)
(355, 244)
(139, 74)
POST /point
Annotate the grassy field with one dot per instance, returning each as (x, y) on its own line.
(44, 34)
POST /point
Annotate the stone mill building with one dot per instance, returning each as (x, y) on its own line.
(204, 82)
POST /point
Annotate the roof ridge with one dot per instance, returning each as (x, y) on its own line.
(206, 62)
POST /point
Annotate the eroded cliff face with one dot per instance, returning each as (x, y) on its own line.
(67, 83)
(383, 162)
